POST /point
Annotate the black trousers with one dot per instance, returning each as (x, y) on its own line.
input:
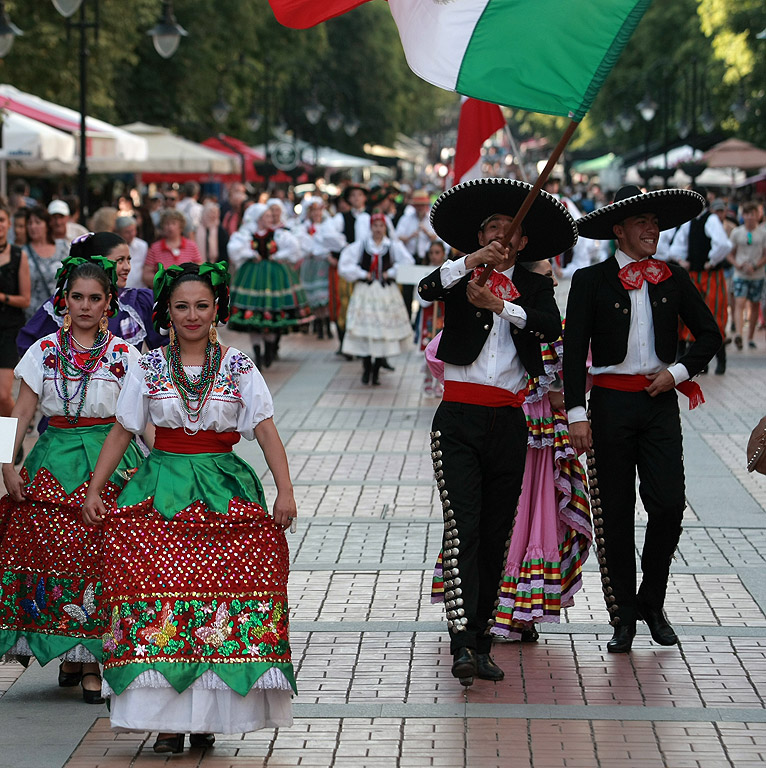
(635, 432)
(478, 454)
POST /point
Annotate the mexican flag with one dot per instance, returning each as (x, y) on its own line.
(549, 56)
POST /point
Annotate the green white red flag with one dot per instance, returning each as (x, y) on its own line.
(549, 56)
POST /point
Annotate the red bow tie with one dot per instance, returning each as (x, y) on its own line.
(500, 285)
(632, 275)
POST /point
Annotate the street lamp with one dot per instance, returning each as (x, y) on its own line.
(609, 127)
(68, 8)
(334, 120)
(166, 34)
(647, 107)
(8, 32)
(313, 111)
(221, 108)
(351, 126)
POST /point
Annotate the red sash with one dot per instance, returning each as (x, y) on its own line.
(61, 422)
(637, 383)
(481, 394)
(204, 441)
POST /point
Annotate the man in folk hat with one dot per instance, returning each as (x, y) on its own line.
(490, 342)
(355, 225)
(626, 310)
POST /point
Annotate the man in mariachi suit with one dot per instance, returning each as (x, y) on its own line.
(490, 342)
(627, 310)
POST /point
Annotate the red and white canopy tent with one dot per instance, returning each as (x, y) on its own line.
(108, 148)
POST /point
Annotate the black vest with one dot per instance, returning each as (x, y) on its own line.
(349, 226)
(260, 244)
(699, 244)
(384, 262)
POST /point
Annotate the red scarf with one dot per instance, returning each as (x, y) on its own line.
(632, 275)
(500, 285)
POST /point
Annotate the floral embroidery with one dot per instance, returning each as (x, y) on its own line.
(46, 344)
(199, 631)
(49, 361)
(118, 370)
(121, 348)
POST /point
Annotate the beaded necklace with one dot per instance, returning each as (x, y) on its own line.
(69, 367)
(194, 395)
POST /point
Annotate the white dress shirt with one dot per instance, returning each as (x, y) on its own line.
(720, 245)
(641, 358)
(498, 363)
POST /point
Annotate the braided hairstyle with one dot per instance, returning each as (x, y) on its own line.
(215, 276)
(89, 259)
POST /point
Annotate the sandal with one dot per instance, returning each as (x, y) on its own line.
(201, 739)
(173, 743)
(88, 696)
(69, 679)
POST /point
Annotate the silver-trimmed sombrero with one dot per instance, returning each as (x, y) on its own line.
(458, 213)
(671, 206)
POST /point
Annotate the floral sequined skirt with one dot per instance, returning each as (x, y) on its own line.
(195, 579)
(51, 561)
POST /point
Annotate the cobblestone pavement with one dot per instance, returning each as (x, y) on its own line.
(371, 652)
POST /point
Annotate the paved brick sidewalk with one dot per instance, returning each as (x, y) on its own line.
(370, 650)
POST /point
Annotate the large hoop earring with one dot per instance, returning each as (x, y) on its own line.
(103, 324)
(67, 323)
(213, 334)
(172, 334)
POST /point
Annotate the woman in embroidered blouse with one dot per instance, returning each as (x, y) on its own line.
(133, 319)
(50, 561)
(377, 322)
(196, 568)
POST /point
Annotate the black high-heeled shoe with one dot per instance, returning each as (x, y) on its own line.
(69, 679)
(201, 739)
(173, 744)
(91, 697)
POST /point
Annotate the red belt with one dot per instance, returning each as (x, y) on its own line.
(61, 422)
(204, 441)
(625, 382)
(481, 394)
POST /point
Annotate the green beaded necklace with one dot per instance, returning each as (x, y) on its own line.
(190, 391)
(69, 367)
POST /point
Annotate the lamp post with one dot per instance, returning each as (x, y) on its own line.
(313, 112)
(8, 32)
(166, 38)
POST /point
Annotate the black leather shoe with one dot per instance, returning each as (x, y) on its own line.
(385, 364)
(486, 669)
(464, 665)
(201, 739)
(622, 640)
(173, 743)
(530, 635)
(89, 696)
(69, 679)
(662, 632)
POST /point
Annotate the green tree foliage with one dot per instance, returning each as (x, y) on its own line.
(236, 50)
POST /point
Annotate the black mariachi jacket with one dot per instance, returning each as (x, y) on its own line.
(467, 327)
(598, 316)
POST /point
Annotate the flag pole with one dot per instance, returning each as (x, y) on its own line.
(538, 185)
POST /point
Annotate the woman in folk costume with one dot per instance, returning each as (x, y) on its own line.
(377, 324)
(552, 529)
(195, 567)
(319, 239)
(133, 319)
(50, 560)
(266, 299)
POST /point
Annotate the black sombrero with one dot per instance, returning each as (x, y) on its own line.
(457, 216)
(671, 206)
